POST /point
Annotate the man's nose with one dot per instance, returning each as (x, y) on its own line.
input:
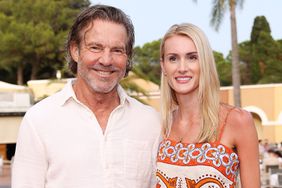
(106, 57)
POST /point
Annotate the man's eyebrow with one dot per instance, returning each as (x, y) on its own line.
(93, 43)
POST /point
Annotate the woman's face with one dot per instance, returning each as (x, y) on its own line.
(180, 64)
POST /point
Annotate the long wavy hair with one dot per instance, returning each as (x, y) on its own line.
(208, 84)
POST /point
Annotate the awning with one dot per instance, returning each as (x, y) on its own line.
(4, 87)
(9, 126)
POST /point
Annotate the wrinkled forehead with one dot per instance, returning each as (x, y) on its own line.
(104, 31)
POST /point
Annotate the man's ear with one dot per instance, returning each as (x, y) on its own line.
(74, 50)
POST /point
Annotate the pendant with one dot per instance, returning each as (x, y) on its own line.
(180, 141)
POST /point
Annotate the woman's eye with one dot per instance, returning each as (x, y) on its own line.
(172, 59)
(192, 58)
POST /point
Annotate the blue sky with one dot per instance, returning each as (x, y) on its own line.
(152, 18)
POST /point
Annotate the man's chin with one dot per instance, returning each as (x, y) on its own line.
(104, 90)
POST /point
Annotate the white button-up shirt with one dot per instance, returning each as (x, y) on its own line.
(61, 145)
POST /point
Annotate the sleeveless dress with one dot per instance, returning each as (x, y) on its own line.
(199, 165)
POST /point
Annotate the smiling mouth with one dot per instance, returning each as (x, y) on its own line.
(104, 73)
(183, 78)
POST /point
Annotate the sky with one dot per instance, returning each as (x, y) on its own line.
(152, 18)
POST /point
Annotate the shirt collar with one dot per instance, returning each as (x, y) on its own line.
(123, 97)
(68, 93)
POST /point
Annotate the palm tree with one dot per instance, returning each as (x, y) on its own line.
(218, 11)
(132, 88)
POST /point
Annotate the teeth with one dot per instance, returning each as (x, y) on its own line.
(104, 73)
(184, 79)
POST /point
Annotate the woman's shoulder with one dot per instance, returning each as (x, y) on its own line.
(239, 125)
(237, 121)
(236, 116)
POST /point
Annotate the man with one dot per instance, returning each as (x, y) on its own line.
(90, 134)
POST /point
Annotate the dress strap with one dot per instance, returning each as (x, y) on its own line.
(221, 129)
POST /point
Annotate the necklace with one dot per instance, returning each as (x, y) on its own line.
(182, 134)
(179, 136)
(182, 126)
(180, 140)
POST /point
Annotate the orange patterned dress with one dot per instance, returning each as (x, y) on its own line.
(200, 165)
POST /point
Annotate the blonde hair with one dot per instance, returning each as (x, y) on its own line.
(208, 84)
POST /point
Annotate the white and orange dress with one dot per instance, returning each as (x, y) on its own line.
(199, 165)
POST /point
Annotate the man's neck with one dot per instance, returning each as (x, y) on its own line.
(96, 100)
(101, 104)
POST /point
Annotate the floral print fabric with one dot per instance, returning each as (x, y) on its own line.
(202, 165)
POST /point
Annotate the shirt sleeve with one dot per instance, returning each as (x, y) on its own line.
(154, 162)
(30, 162)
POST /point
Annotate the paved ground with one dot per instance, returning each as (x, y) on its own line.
(5, 177)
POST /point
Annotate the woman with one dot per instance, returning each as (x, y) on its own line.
(206, 142)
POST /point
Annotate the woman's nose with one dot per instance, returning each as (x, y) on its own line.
(183, 66)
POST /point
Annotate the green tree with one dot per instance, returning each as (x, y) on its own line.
(147, 63)
(261, 54)
(33, 32)
(246, 57)
(13, 45)
(260, 25)
(272, 72)
(224, 69)
(263, 46)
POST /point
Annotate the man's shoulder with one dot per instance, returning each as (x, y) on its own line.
(47, 104)
(141, 107)
(143, 112)
(144, 116)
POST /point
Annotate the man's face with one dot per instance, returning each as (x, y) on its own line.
(101, 57)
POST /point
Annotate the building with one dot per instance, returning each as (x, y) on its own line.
(14, 102)
(265, 104)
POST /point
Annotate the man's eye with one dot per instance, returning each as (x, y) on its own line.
(118, 51)
(96, 49)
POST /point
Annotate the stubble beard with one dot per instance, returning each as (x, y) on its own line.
(101, 85)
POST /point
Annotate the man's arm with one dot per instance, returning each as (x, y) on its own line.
(154, 162)
(30, 161)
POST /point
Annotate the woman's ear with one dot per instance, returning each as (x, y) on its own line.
(74, 52)
(162, 66)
